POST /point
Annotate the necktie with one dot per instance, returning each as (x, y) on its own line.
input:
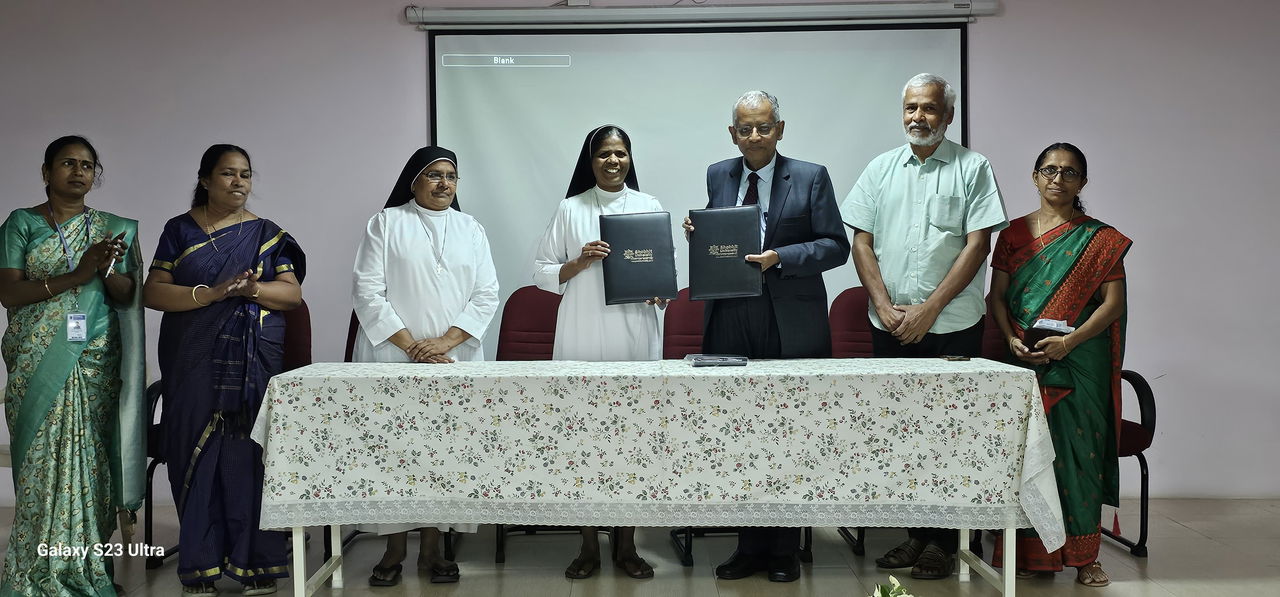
(753, 193)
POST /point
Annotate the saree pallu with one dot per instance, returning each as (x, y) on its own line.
(215, 362)
(75, 410)
(1059, 276)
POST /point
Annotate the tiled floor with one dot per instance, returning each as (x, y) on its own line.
(1198, 548)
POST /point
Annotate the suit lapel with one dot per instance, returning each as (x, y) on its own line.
(778, 194)
(728, 195)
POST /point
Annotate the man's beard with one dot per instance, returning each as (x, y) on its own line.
(934, 137)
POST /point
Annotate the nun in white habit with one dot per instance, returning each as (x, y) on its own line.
(568, 258)
(568, 263)
(425, 291)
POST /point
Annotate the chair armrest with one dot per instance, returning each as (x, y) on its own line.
(1146, 399)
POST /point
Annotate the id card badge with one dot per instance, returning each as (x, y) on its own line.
(77, 327)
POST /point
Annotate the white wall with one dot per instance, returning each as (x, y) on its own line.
(1169, 99)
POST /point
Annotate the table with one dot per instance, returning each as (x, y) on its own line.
(806, 442)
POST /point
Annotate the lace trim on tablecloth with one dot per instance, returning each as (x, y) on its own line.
(1039, 492)
(333, 512)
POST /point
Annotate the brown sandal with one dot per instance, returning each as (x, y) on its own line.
(1092, 575)
(934, 564)
(635, 566)
(902, 556)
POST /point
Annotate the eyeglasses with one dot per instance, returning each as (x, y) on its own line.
(1068, 174)
(764, 130)
(437, 177)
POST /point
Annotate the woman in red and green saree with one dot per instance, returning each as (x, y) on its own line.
(223, 277)
(73, 351)
(1057, 263)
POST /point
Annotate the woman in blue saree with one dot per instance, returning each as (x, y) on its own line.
(222, 276)
(73, 397)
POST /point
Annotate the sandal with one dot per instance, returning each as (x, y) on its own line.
(391, 574)
(902, 556)
(582, 568)
(204, 588)
(635, 566)
(444, 574)
(1092, 575)
(1026, 573)
(262, 587)
(934, 564)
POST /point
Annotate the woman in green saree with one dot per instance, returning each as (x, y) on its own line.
(1057, 263)
(73, 354)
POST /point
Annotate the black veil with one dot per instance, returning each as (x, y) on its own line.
(583, 177)
(402, 193)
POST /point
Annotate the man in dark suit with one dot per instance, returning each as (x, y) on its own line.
(801, 237)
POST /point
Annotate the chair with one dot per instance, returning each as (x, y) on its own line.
(527, 332)
(297, 353)
(851, 338)
(682, 335)
(682, 327)
(850, 327)
(996, 349)
(154, 436)
(528, 328)
(993, 344)
(1134, 439)
(353, 327)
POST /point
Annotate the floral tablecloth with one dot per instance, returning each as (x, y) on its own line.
(821, 442)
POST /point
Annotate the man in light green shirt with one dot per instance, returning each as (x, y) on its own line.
(922, 216)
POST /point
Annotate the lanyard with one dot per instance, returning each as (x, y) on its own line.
(66, 248)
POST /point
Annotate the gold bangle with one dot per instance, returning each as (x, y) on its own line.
(255, 294)
(46, 287)
(193, 295)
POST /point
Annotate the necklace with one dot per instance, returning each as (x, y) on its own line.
(208, 227)
(444, 235)
(1040, 231)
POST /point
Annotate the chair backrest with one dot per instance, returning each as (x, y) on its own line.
(850, 327)
(297, 337)
(682, 327)
(528, 328)
(993, 344)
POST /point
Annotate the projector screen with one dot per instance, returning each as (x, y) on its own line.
(515, 107)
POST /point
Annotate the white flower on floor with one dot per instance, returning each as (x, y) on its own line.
(895, 589)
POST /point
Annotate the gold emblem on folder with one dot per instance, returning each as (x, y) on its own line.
(638, 255)
(722, 251)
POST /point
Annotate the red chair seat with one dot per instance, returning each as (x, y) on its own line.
(1134, 438)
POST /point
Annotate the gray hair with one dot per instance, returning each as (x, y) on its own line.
(753, 99)
(929, 79)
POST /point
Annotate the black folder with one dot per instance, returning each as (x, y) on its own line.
(718, 246)
(642, 259)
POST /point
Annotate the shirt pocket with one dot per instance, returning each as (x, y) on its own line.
(946, 213)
